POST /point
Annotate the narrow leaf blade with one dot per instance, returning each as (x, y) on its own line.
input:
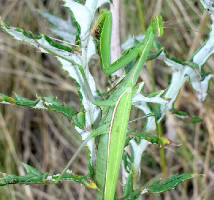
(44, 43)
(46, 103)
(167, 184)
(34, 176)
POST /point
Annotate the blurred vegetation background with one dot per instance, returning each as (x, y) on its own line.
(47, 141)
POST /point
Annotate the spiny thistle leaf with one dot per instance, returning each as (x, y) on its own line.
(82, 15)
(160, 186)
(31, 170)
(181, 72)
(162, 141)
(46, 103)
(60, 27)
(129, 192)
(184, 115)
(45, 43)
(34, 176)
(70, 57)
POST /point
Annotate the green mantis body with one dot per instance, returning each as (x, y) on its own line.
(118, 105)
(102, 32)
(112, 128)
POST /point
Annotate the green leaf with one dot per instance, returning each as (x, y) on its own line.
(162, 141)
(128, 189)
(196, 120)
(82, 16)
(128, 192)
(21, 101)
(44, 43)
(160, 186)
(128, 162)
(60, 27)
(47, 103)
(70, 57)
(180, 114)
(184, 115)
(31, 170)
(34, 176)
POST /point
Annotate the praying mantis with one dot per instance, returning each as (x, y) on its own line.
(111, 128)
(116, 109)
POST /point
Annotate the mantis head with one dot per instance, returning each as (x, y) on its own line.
(158, 26)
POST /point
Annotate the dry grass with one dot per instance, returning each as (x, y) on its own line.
(47, 141)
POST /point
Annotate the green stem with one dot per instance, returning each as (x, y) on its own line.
(140, 9)
(141, 15)
(163, 161)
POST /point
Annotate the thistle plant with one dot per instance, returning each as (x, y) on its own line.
(103, 118)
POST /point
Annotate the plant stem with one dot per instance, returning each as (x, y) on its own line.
(163, 161)
(140, 9)
(141, 15)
